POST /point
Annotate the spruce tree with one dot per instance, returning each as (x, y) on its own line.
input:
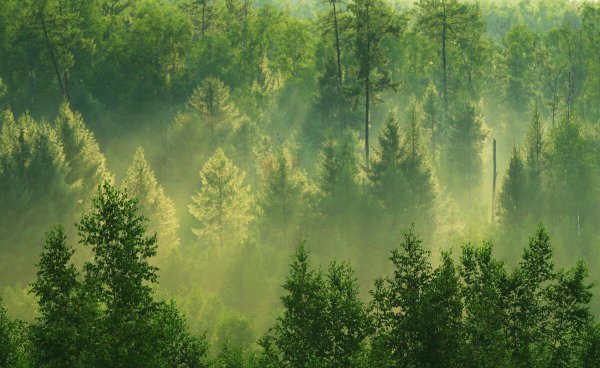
(417, 170)
(222, 205)
(282, 197)
(386, 172)
(462, 153)
(141, 183)
(514, 193)
(432, 119)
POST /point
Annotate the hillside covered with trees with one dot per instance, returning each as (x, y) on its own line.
(308, 183)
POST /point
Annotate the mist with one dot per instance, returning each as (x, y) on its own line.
(275, 148)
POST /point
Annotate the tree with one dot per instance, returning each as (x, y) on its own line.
(463, 151)
(223, 203)
(282, 196)
(63, 335)
(442, 311)
(324, 321)
(82, 153)
(515, 191)
(528, 302)
(484, 304)
(397, 306)
(372, 23)
(416, 168)
(431, 117)
(122, 275)
(517, 62)
(446, 22)
(141, 183)
(386, 170)
(134, 329)
(7, 348)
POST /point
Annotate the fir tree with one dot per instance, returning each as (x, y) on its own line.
(431, 119)
(223, 203)
(141, 183)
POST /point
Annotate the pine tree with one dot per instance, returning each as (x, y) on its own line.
(222, 205)
(82, 153)
(534, 157)
(141, 183)
(514, 193)
(282, 197)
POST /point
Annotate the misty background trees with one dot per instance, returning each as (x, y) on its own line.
(243, 127)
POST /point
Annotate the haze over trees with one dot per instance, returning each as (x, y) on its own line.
(274, 183)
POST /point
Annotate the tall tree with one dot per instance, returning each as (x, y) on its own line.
(463, 161)
(514, 193)
(82, 154)
(282, 196)
(386, 170)
(446, 22)
(63, 335)
(372, 23)
(431, 118)
(397, 306)
(141, 183)
(223, 203)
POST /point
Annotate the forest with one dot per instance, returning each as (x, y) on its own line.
(299, 183)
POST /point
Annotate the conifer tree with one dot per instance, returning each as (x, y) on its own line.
(6, 342)
(447, 22)
(534, 158)
(63, 335)
(386, 171)
(82, 153)
(484, 304)
(442, 311)
(417, 170)
(324, 322)
(528, 303)
(432, 119)
(222, 205)
(397, 306)
(514, 193)
(372, 23)
(282, 197)
(462, 156)
(141, 183)
(338, 172)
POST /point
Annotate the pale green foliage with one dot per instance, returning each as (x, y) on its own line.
(141, 183)
(222, 205)
(82, 153)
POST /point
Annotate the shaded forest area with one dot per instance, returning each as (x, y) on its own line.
(161, 162)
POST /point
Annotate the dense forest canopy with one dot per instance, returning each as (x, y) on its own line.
(306, 183)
